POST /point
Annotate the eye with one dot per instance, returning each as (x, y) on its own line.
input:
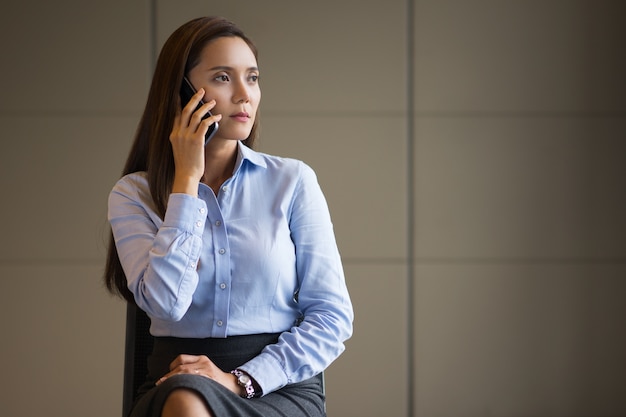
(222, 78)
(253, 78)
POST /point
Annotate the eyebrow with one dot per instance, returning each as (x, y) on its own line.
(227, 68)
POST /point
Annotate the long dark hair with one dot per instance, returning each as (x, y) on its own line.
(151, 150)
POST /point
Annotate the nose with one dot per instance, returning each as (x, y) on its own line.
(241, 93)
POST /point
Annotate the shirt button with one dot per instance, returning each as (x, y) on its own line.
(225, 188)
(193, 264)
(220, 323)
(198, 223)
(218, 223)
(202, 210)
(222, 251)
(223, 286)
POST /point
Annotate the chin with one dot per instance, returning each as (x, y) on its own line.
(242, 134)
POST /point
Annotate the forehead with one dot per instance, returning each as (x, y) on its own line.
(229, 51)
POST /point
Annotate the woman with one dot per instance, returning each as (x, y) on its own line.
(230, 252)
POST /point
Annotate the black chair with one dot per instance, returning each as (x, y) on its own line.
(137, 348)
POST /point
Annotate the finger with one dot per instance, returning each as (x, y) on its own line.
(193, 368)
(177, 371)
(202, 111)
(203, 127)
(208, 105)
(183, 360)
(189, 107)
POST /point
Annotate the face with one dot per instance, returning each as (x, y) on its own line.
(229, 74)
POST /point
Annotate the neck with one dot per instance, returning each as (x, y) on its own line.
(219, 163)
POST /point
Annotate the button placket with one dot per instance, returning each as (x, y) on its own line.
(217, 233)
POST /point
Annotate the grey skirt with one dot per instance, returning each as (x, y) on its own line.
(302, 399)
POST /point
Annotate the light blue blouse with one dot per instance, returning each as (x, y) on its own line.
(260, 257)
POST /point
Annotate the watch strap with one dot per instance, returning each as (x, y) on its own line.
(244, 380)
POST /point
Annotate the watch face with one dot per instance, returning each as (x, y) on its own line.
(244, 379)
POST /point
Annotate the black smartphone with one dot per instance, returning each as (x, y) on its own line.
(186, 92)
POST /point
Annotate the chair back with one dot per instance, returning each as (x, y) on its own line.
(138, 347)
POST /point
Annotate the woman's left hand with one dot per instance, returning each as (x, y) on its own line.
(202, 365)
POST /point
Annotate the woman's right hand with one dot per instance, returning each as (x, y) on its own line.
(187, 139)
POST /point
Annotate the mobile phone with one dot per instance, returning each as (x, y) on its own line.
(186, 92)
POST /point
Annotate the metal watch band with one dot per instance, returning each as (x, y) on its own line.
(244, 380)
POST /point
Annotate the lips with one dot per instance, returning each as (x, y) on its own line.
(241, 116)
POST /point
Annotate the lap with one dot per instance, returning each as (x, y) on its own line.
(303, 399)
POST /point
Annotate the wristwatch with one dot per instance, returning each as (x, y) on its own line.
(244, 380)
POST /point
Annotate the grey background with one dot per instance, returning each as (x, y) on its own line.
(472, 153)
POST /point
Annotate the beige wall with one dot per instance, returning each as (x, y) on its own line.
(482, 222)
